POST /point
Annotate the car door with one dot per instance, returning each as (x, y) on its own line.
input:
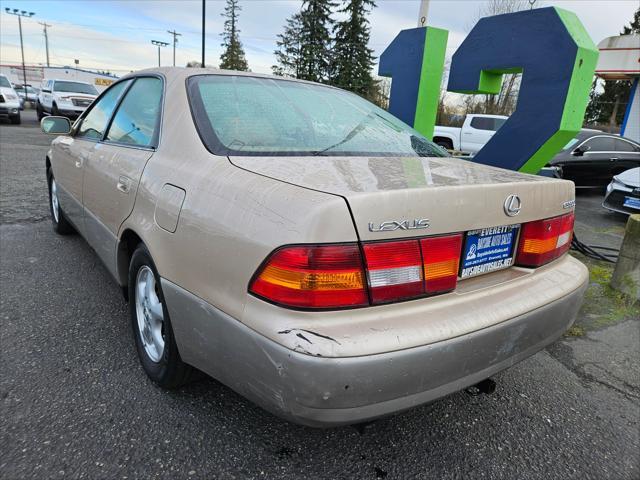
(70, 154)
(479, 132)
(113, 171)
(47, 97)
(627, 156)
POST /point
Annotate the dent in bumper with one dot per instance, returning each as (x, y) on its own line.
(320, 391)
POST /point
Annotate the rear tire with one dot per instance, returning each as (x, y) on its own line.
(444, 143)
(60, 223)
(151, 325)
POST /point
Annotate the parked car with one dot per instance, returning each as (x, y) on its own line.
(28, 94)
(305, 247)
(9, 101)
(623, 193)
(476, 131)
(64, 97)
(592, 158)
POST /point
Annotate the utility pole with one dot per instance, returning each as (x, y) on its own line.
(46, 39)
(175, 40)
(203, 16)
(159, 44)
(423, 12)
(21, 13)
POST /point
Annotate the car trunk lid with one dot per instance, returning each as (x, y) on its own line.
(425, 196)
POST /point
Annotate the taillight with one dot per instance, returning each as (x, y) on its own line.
(334, 276)
(412, 268)
(441, 256)
(544, 240)
(322, 276)
(394, 270)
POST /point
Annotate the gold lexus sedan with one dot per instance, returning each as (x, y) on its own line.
(305, 247)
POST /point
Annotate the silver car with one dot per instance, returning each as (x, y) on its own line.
(305, 247)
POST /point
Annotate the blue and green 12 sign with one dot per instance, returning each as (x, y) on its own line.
(549, 46)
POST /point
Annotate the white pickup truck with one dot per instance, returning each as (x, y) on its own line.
(476, 131)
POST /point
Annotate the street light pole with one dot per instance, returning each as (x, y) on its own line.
(21, 13)
(203, 16)
(423, 12)
(46, 39)
(175, 40)
(159, 44)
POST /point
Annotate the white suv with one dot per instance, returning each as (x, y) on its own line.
(64, 97)
(9, 101)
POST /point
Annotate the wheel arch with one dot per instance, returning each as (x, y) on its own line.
(127, 244)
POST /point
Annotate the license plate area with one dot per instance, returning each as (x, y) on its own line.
(632, 202)
(488, 249)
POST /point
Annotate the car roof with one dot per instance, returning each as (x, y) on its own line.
(181, 73)
(586, 134)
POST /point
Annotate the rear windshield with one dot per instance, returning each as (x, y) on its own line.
(75, 87)
(240, 115)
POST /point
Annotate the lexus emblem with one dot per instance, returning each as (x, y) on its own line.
(512, 205)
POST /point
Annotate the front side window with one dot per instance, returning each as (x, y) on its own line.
(242, 115)
(4, 82)
(75, 87)
(600, 144)
(95, 122)
(138, 116)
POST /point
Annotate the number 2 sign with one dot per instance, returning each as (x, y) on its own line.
(549, 46)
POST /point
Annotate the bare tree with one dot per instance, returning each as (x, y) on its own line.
(504, 102)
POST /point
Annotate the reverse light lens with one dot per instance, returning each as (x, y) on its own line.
(324, 276)
(544, 240)
(441, 257)
(394, 270)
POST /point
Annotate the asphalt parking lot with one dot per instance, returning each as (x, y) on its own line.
(76, 404)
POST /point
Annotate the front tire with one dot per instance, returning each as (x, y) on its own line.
(39, 111)
(60, 224)
(16, 119)
(151, 325)
(54, 110)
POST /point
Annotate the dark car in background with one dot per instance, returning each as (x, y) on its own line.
(593, 158)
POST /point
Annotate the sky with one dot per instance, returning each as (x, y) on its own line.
(116, 35)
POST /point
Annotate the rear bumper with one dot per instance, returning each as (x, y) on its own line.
(320, 391)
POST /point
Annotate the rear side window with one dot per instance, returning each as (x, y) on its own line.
(95, 122)
(138, 116)
(622, 146)
(487, 123)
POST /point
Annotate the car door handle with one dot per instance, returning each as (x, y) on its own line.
(124, 184)
(614, 159)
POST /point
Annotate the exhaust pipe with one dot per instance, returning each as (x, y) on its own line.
(486, 386)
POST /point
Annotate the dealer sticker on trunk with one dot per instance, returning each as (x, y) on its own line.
(488, 249)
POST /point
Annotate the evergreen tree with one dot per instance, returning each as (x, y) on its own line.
(352, 57)
(288, 54)
(233, 56)
(315, 40)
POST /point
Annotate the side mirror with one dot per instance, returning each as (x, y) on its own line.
(55, 125)
(580, 151)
